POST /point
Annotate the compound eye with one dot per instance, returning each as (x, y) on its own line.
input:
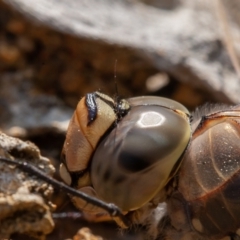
(136, 160)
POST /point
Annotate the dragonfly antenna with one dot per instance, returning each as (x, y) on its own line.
(115, 81)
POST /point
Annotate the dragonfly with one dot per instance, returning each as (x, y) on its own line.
(194, 171)
(153, 151)
(148, 161)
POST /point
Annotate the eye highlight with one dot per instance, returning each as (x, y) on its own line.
(150, 119)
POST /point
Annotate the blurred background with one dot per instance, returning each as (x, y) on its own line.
(54, 52)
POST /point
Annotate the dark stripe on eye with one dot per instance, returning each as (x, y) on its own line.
(90, 102)
(131, 162)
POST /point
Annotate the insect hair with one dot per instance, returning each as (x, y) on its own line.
(208, 108)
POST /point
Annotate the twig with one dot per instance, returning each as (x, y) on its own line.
(111, 208)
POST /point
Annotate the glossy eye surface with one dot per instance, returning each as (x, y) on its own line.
(137, 158)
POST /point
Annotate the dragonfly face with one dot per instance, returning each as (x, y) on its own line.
(131, 156)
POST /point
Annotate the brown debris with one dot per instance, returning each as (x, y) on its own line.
(24, 199)
(86, 234)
